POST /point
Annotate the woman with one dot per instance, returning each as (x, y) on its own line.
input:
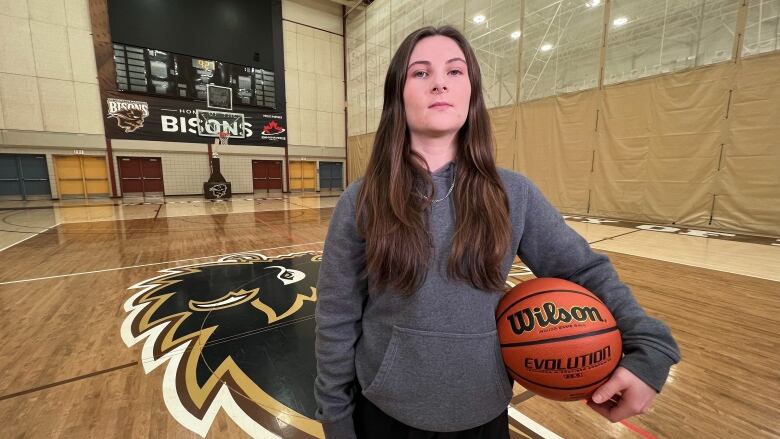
(415, 261)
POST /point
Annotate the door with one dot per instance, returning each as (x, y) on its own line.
(95, 176)
(330, 176)
(130, 176)
(24, 177)
(35, 176)
(151, 170)
(10, 181)
(303, 176)
(267, 175)
(70, 178)
(82, 176)
(141, 176)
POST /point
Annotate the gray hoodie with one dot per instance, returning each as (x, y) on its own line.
(432, 360)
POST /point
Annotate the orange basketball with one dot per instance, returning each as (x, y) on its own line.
(557, 338)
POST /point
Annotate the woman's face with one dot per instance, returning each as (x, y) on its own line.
(437, 90)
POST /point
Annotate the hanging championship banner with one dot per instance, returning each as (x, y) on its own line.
(142, 117)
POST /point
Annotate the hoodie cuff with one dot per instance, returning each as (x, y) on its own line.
(649, 365)
(341, 429)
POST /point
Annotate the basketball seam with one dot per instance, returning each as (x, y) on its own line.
(590, 295)
(516, 376)
(554, 340)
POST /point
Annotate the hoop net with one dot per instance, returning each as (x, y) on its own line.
(223, 137)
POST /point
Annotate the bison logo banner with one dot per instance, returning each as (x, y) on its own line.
(129, 115)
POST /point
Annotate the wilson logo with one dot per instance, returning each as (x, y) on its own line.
(527, 319)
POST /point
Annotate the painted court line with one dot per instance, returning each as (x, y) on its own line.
(151, 264)
(535, 428)
(67, 381)
(31, 236)
(644, 433)
(539, 431)
(640, 431)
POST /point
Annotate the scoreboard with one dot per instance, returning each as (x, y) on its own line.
(164, 73)
(183, 70)
(203, 64)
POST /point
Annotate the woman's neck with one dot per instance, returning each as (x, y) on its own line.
(437, 151)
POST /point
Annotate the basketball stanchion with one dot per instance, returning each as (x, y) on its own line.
(217, 188)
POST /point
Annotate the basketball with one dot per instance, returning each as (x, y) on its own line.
(558, 339)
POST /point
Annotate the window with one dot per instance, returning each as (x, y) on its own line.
(762, 31)
(560, 47)
(650, 38)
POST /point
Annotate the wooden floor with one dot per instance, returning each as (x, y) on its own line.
(66, 304)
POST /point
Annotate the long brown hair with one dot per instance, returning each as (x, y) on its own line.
(391, 218)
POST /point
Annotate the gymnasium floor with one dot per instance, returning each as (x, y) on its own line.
(102, 335)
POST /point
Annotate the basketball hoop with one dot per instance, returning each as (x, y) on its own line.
(222, 138)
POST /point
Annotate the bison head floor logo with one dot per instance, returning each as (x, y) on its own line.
(218, 190)
(236, 334)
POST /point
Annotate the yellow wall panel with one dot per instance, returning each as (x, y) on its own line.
(98, 187)
(309, 170)
(295, 170)
(503, 123)
(71, 188)
(748, 188)
(67, 167)
(80, 175)
(94, 167)
(303, 175)
(699, 148)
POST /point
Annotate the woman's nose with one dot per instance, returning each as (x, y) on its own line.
(439, 87)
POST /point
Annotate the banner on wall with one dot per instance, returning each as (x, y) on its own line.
(140, 117)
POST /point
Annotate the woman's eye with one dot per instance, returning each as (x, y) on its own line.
(456, 72)
(420, 74)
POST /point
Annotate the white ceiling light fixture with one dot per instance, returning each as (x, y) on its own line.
(546, 47)
(479, 19)
(515, 35)
(620, 21)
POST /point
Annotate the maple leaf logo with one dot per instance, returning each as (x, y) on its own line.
(272, 128)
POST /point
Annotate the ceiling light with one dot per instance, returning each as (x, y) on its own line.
(620, 21)
(479, 19)
(515, 35)
(593, 3)
(546, 47)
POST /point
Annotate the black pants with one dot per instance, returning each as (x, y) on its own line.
(373, 423)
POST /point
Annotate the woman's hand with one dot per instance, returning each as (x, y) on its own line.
(622, 396)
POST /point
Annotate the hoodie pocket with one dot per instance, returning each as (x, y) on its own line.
(441, 381)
